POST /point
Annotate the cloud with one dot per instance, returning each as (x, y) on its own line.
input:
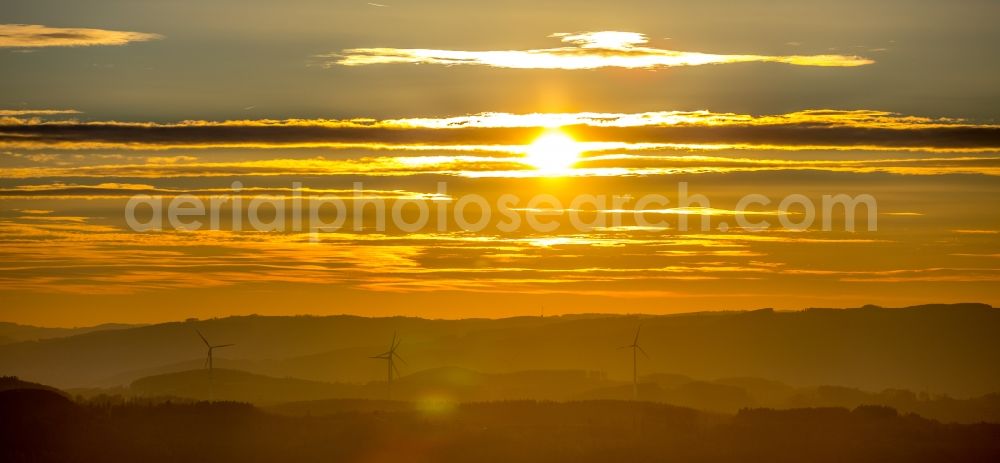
(118, 190)
(68, 254)
(479, 167)
(36, 112)
(35, 35)
(35, 211)
(18, 116)
(976, 232)
(586, 50)
(813, 129)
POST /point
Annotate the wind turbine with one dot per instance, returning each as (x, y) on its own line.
(636, 348)
(390, 356)
(208, 360)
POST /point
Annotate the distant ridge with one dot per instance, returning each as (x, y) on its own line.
(13, 332)
(449, 386)
(939, 348)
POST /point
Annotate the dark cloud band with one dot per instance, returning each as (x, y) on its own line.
(99, 134)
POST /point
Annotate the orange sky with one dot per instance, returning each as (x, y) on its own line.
(105, 103)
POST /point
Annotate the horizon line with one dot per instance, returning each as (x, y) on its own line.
(127, 325)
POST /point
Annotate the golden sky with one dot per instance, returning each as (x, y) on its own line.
(105, 101)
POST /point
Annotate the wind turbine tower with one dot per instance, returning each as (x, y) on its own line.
(390, 356)
(208, 360)
(636, 349)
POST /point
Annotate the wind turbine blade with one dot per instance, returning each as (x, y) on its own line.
(400, 358)
(396, 369)
(223, 345)
(643, 351)
(636, 341)
(202, 337)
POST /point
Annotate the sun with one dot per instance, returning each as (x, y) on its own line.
(552, 152)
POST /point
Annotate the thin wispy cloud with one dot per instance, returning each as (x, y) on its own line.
(36, 36)
(37, 112)
(118, 190)
(69, 254)
(583, 50)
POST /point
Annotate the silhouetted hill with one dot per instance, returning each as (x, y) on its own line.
(237, 386)
(13, 332)
(456, 385)
(464, 385)
(42, 420)
(440, 384)
(701, 395)
(522, 431)
(8, 383)
(766, 393)
(39, 403)
(336, 406)
(939, 348)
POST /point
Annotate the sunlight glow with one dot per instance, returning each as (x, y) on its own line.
(554, 152)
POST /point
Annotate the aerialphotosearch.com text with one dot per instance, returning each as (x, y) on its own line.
(359, 210)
